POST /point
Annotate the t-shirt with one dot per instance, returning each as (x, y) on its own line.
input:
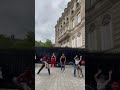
(62, 59)
(77, 61)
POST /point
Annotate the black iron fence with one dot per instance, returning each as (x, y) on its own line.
(70, 53)
(14, 62)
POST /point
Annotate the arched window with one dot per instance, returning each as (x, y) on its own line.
(72, 11)
(92, 37)
(77, 4)
(106, 32)
(67, 19)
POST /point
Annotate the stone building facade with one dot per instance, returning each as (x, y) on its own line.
(70, 28)
(103, 25)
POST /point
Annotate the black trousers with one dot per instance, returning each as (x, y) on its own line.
(42, 68)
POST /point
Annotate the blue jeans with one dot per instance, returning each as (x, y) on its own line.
(62, 66)
(75, 67)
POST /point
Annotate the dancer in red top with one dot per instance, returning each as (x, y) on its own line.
(53, 60)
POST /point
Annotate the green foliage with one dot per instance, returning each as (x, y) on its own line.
(30, 36)
(48, 43)
(37, 43)
(11, 42)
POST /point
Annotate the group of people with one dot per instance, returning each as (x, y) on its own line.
(77, 63)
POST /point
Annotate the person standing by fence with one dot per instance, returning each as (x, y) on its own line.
(62, 62)
(53, 60)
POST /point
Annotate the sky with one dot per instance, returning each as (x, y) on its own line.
(17, 17)
(47, 12)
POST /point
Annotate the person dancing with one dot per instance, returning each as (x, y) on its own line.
(45, 60)
(62, 62)
(77, 66)
(101, 82)
(53, 60)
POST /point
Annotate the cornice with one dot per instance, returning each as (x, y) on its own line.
(66, 11)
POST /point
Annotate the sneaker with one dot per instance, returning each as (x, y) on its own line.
(81, 75)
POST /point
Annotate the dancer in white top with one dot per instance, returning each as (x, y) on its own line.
(77, 64)
(101, 82)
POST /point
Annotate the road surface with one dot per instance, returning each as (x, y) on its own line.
(58, 80)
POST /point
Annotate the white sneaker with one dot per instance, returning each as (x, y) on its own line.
(81, 75)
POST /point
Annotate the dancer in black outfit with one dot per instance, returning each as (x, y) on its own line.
(45, 60)
(62, 62)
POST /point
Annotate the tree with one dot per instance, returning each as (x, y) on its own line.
(2, 36)
(30, 36)
(48, 43)
(37, 43)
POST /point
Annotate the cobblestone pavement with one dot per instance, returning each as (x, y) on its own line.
(58, 80)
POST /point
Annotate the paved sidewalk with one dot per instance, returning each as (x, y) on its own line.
(58, 80)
